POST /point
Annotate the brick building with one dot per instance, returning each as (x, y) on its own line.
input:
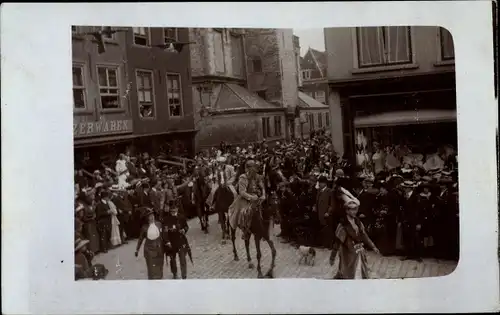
(393, 85)
(102, 118)
(161, 100)
(246, 78)
(134, 95)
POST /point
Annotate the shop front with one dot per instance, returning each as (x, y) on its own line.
(97, 142)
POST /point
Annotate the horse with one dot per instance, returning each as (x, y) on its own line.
(223, 198)
(259, 228)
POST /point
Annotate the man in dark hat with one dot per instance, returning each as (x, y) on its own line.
(367, 197)
(175, 228)
(411, 222)
(125, 207)
(324, 208)
(103, 216)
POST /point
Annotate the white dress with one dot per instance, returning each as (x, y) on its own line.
(115, 225)
(122, 171)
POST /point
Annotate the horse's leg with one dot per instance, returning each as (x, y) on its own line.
(259, 255)
(233, 238)
(247, 248)
(270, 272)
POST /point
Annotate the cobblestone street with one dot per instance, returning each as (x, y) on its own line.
(214, 260)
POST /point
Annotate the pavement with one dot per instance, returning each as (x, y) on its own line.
(212, 259)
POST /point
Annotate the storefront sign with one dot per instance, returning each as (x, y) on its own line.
(103, 127)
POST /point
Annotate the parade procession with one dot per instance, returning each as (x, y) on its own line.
(400, 206)
(236, 153)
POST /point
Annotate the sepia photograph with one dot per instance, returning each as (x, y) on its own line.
(228, 158)
(264, 153)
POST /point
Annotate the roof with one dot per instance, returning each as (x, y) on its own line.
(320, 59)
(308, 102)
(233, 96)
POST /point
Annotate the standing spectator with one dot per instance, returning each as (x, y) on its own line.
(103, 214)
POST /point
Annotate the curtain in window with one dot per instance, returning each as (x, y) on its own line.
(237, 55)
(398, 44)
(219, 52)
(447, 46)
(370, 46)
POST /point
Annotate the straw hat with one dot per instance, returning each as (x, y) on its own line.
(79, 243)
(408, 184)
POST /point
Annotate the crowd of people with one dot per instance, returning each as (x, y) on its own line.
(409, 209)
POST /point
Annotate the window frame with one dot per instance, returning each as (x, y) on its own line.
(181, 98)
(84, 87)
(316, 96)
(147, 36)
(439, 42)
(222, 35)
(277, 123)
(253, 60)
(153, 95)
(320, 120)
(266, 127)
(118, 87)
(358, 68)
(238, 37)
(175, 38)
(308, 72)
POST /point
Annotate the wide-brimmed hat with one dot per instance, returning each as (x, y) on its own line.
(408, 184)
(146, 212)
(79, 243)
(323, 179)
(79, 207)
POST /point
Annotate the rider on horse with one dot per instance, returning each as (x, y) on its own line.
(251, 193)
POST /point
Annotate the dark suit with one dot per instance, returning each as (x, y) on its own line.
(174, 230)
(411, 218)
(155, 197)
(125, 209)
(325, 205)
(103, 225)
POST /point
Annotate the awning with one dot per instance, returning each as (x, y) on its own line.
(406, 118)
(97, 141)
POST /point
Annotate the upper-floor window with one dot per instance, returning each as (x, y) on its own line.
(174, 93)
(237, 55)
(219, 51)
(266, 127)
(79, 99)
(145, 93)
(306, 74)
(109, 90)
(141, 36)
(170, 35)
(320, 96)
(380, 46)
(277, 126)
(310, 94)
(256, 64)
(447, 47)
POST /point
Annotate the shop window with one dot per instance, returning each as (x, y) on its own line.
(109, 90)
(381, 46)
(174, 93)
(145, 93)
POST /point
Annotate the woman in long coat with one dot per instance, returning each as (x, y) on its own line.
(351, 238)
(89, 221)
(153, 245)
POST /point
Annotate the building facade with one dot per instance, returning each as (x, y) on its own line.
(102, 117)
(238, 76)
(393, 85)
(160, 97)
(313, 75)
